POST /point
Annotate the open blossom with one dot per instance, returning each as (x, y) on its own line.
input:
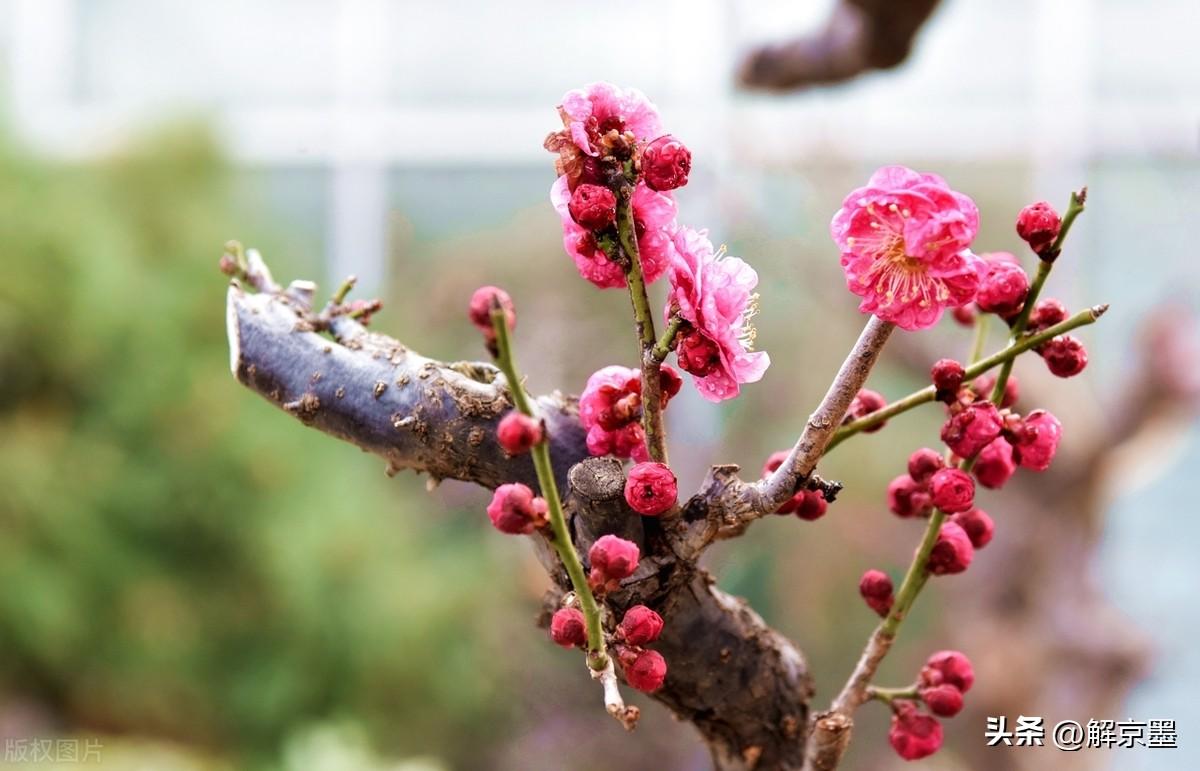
(653, 216)
(712, 293)
(590, 112)
(904, 239)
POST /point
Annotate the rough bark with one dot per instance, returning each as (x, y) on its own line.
(744, 686)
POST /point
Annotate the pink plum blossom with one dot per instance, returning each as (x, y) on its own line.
(712, 293)
(904, 239)
(591, 111)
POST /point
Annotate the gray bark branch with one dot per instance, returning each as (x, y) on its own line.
(744, 686)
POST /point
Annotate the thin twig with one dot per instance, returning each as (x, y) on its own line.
(597, 655)
(929, 393)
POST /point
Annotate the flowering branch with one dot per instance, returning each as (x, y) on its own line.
(1004, 356)
(905, 245)
(1074, 209)
(597, 654)
(831, 729)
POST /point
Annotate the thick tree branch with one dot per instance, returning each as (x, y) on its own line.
(743, 685)
(372, 391)
(729, 504)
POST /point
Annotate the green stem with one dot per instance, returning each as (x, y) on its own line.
(597, 655)
(339, 296)
(981, 327)
(1074, 209)
(667, 340)
(929, 393)
(888, 695)
(652, 418)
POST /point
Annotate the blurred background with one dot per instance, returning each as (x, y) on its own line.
(193, 581)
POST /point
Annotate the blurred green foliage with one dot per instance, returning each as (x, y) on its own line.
(177, 558)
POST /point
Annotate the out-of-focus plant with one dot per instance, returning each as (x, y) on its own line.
(159, 574)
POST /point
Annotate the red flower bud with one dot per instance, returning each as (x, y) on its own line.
(518, 432)
(669, 382)
(977, 525)
(612, 559)
(1039, 439)
(865, 402)
(810, 504)
(645, 670)
(942, 700)
(640, 626)
(568, 629)
(480, 310)
(914, 736)
(697, 354)
(907, 498)
(923, 463)
(774, 461)
(1038, 225)
(1046, 313)
(1002, 288)
(953, 490)
(666, 163)
(964, 314)
(593, 206)
(969, 431)
(952, 552)
(984, 384)
(948, 668)
(515, 510)
(1065, 356)
(995, 464)
(651, 489)
(947, 376)
(876, 588)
